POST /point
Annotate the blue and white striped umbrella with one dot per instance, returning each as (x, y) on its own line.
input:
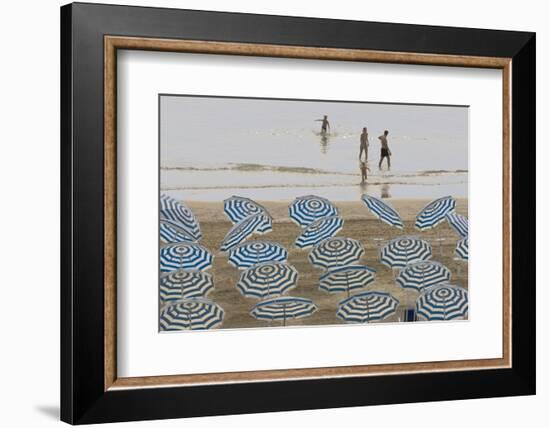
(442, 302)
(191, 314)
(267, 279)
(257, 223)
(171, 232)
(306, 209)
(252, 253)
(459, 223)
(335, 252)
(401, 251)
(184, 284)
(421, 275)
(171, 209)
(383, 211)
(367, 307)
(238, 208)
(318, 231)
(283, 308)
(434, 213)
(461, 249)
(346, 279)
(184, 256)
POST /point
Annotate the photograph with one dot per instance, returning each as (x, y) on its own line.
(291, 213)
(266, 208)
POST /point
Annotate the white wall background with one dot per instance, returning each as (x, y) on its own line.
(29, 172)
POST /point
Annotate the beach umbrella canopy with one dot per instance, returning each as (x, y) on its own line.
(171, 232)
(383, 211)
(171, 209)
(421, 275)
(459, 223)
(461, 249)
(318, 231)
(367, 307)
(238, 208)
(442, 302)
(307, 209)
(267, 279)
(401, 251)
(346, 278)
(191, 314)
(257, 223)
(184, 284)
(335, 252)
(283, 308)
(252, 253)
(434, 213)
(185, 255)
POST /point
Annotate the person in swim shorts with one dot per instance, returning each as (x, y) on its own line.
(364, 144)
(325, 125)
(384, 150)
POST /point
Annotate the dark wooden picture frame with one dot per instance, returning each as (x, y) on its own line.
(90, 389)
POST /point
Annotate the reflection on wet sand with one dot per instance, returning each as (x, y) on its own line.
(371, 189)
(385, 191)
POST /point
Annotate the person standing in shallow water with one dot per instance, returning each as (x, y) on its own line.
(364, 144)
(384, 150)
(364, 168)
(325, 125)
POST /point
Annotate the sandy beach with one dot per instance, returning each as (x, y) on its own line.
(359, 224)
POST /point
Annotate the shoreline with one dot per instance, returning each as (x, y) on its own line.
(334, 192)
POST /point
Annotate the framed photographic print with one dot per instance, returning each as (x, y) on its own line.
(265, 213)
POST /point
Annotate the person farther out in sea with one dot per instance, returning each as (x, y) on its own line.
(384, 150)
(325, 125)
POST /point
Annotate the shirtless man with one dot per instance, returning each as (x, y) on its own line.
(324, 125)
(385, 150)
(364, 144)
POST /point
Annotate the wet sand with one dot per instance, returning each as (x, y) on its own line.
(359, 224)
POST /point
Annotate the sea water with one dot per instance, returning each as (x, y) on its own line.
(212, 148)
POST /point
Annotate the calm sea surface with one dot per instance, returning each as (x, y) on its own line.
(212, 148)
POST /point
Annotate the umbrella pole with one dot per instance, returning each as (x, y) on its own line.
(284, 315)
(440, 240)
(398, 269)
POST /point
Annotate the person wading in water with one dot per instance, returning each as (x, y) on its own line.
(364, 147)
(364, 144)
(384, 150)
(325, 125)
